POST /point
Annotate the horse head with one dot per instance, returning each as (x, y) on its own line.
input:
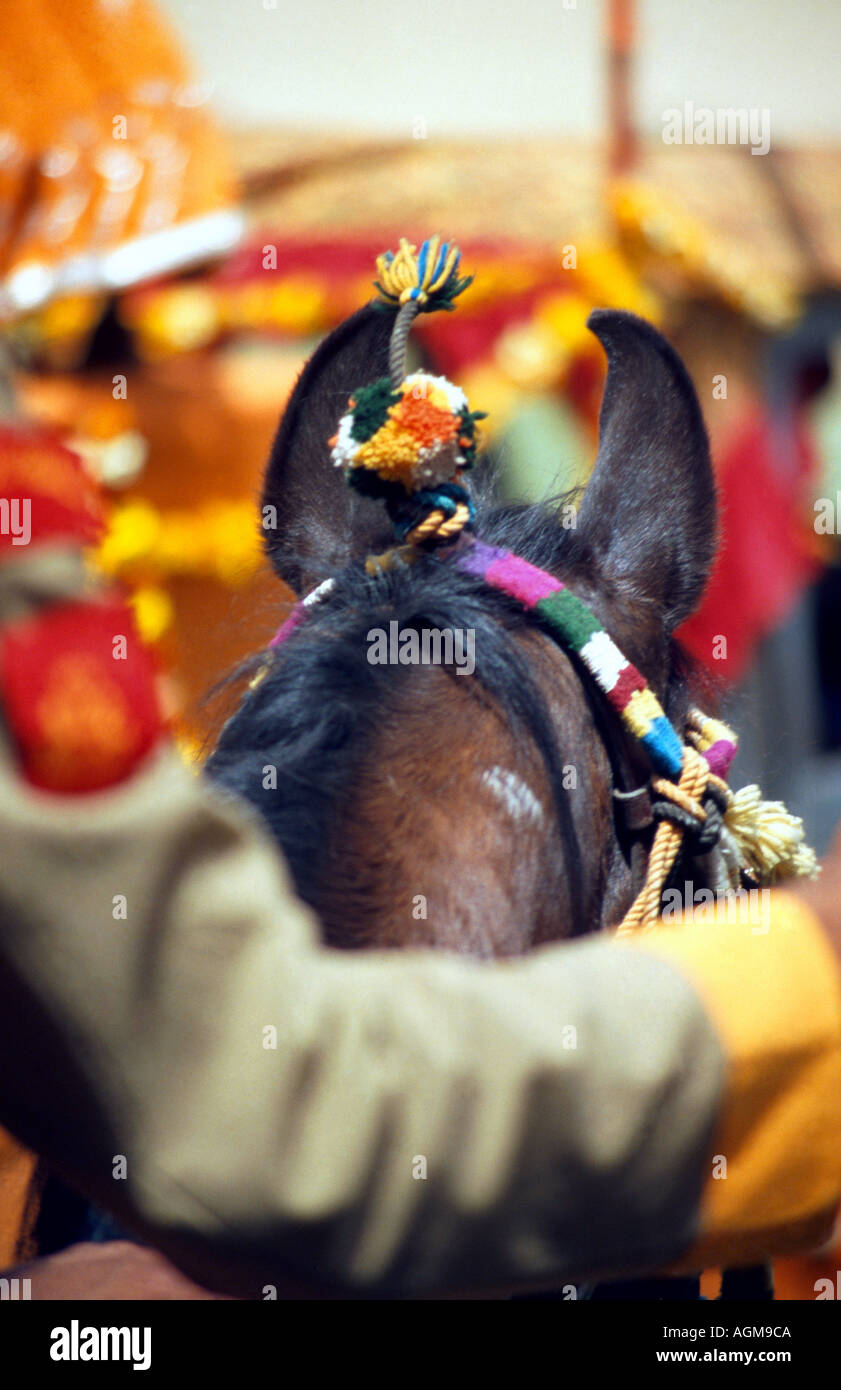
(475, 814)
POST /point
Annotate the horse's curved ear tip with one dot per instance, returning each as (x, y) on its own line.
(600, 319)
(620, 328)
(603, 324)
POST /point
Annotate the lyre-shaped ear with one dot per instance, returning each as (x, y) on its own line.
(648, 515)
(314, 522)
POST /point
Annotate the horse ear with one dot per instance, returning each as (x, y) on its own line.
(647, 520)
(313, 522)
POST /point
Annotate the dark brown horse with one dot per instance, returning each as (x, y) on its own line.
(475, 814)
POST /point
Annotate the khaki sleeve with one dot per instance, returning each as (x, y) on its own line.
(360, 1121)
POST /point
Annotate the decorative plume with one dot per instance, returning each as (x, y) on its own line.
(429, 279)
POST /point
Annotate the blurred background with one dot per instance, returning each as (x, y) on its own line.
(491, 68)
(191, 195)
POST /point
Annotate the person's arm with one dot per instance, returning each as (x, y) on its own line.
(423, 1121)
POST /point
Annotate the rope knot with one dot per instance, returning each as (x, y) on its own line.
(681, 808)
(694, 805)
(434, 514)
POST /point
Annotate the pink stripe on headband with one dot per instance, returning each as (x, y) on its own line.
(719, 757)
(296, 617)
(523, 581)
(508, 572)
(299, 612)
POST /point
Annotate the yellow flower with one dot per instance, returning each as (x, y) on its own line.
(153, 611)
(609, 281)
(178, 320)
(183, 544)
(532, 356)
(298, 305)
(133, 533)
(565, 315)
(231, 540)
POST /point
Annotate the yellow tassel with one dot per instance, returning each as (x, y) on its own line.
(769, 839)
(401, 278)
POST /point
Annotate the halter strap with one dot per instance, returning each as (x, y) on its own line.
(576, 628)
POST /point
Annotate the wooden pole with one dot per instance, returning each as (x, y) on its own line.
(622, 140)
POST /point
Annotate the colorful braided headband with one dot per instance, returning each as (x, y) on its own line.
(578, 630)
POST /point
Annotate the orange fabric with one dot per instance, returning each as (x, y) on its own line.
(18, 1200)
(779, 1129)
(104, 136)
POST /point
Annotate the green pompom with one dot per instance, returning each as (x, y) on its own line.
(371, 409)
(467, 419)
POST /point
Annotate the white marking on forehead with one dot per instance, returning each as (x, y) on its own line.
(516, 795)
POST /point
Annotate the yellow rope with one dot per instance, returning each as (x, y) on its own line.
(644, 913)
(439, 525)
(679, 797)
(379, 564)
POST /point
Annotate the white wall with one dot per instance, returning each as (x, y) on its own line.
(510, 65)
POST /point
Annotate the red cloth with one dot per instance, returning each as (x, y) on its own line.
(78, 692)
(45, 492)
(77, 686)
(767, 554)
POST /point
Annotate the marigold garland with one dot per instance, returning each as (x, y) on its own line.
(217, 539)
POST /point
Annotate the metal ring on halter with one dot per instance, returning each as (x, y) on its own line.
(635, 808)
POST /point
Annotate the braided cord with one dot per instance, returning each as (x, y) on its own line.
(687, 794)
(439, 526)
(399, 339)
